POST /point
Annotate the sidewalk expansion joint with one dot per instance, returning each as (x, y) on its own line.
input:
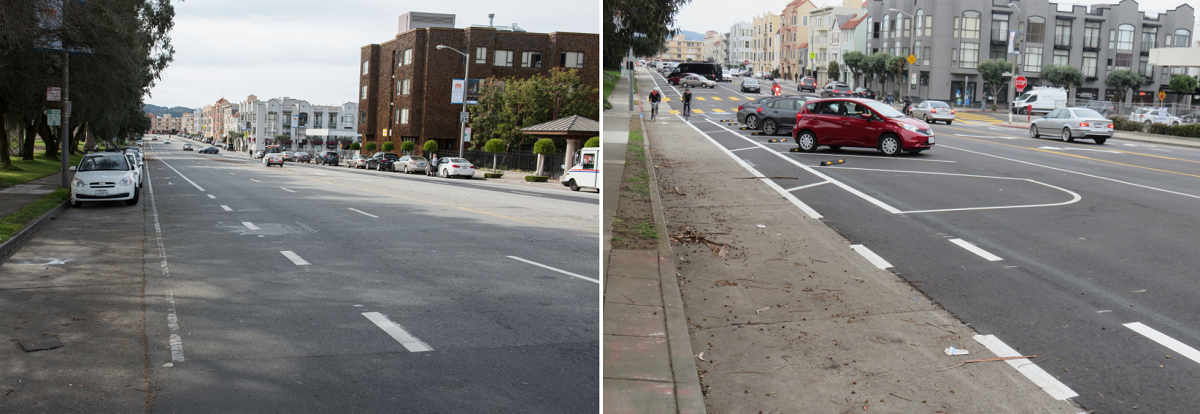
(71, 286)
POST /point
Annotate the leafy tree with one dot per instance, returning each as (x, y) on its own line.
(371, 147)
(354, 146)
(408, 147)
(430, 146)
(1061, 76)
(835, 72)
(389, 146)
(854, 62)
(1182, 85)
(506, 106)
(541, 148)
(894, 69)
(495, 147)
(640, 24)
(1123, 80)
(875, 68)
(992, 72)
(592, 142)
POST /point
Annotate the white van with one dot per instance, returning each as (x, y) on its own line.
(586, 172)
(1041, 99)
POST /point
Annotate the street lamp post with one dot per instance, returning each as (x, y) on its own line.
(1016, 70)
(912, 42)
(466, 77)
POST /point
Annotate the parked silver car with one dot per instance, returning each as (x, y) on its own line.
(1071, 123)
(697, 80)
(930, 111)
(411, 163)
(357, 161)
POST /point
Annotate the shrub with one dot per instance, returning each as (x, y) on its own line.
(430, 146)
(355, 146)
(407, 146)
(1158, 128)
(543, 146)
(1192, 131)
(536, 178)
(592, 142)
(371, 146)
(493, 175)
(389, 146)
(1122, 124)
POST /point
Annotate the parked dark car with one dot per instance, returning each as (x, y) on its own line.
(857, 122)
(1105, 108)
(748, 115)
(209, 150)
(807, 83)
(357, 161)
(863, 92)
(1190, 118)
(836, 90)
(750, 85)
(779, 114)
(302, 157)
(328, 158)
(710, 71)
(383, 161)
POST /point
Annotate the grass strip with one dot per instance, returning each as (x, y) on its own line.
(13, 223)
(23, 171)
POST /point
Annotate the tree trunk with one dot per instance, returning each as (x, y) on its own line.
(541, 162)
(48, 137)
(30, 135)
(5, 149)
(494, 156)
(79, 135)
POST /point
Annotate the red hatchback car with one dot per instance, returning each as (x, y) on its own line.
(674, 80)
(856, 122)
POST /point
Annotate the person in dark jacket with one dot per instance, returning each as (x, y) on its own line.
(687, 100)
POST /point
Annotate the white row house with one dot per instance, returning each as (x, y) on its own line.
(279, 120)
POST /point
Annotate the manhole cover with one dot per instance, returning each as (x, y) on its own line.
(40, 344)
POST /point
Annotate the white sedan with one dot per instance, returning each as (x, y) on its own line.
(105, 176)
(449, 167)
(697, 80)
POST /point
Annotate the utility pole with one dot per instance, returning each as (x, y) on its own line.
(1016, 53)
(66, 115)
(631, 74)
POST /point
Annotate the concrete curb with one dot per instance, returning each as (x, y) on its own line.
(12, 243)
(689, 398)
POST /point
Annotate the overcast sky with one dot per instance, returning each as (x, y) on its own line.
(309, 49)
(704, 15)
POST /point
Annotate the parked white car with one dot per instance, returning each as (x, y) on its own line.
(1154, 116)
(449, 167)
(105, 176)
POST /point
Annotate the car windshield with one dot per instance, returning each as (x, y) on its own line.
(1087, 113)
(938, 104)
(1024, 97)
(459, 160)
(302, 153)
(417, 158)
(750, 82)
(884, 110)
(114, 162)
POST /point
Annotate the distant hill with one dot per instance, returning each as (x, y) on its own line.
(692, 36)
(159, 110)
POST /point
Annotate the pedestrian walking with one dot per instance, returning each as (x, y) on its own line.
(431, 168)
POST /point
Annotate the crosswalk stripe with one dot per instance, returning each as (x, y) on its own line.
(674, 112)
(734, 99)
(718, 110)
(699, 98)
(716, 98)
(697, 111)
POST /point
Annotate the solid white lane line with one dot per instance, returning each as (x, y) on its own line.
(975, 249)
(1039, 376)
(284, 189)
(1076, 172)
(556, 270)
(871, 256)
(226, 207)
(1171, 343)
(411, 343)
(362, 212)
(174, 340)
(232, 174)
(528, 194)
(250, 225)
(770, 183)
(807, 186)
(743, 149)
(255, 180)
(212, 196)
(295, 258)
(198, 187)
(813, 171)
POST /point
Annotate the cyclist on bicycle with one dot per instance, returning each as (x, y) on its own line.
(687, 99)
(655, 97)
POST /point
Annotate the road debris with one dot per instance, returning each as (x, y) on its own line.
(690, 236)
(952, 351)
(989, 360)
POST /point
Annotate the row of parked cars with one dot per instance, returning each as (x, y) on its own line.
(838, 122)
(387, 161)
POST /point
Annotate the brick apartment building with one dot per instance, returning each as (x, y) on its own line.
(405, 83)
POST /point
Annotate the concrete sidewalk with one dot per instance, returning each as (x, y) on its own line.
(648, 365)
(17, 197)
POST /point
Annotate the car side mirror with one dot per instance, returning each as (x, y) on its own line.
(72, 168)
(866, 116)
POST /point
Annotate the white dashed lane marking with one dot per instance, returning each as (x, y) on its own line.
(295, 258)
(1039, 376)
(362, 212)
(975, 249)
(226, 207)
(1164, 340)
(555, 269)
(250, 225)
(397, 332)
(871, 256)
(284, 189)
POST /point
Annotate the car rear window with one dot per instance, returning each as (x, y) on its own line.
(417, 158)
(938, 104)
(1087, 113)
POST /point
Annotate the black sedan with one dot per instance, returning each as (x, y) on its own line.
(209, 150)
(779, 114)
(863, 92)
(750, 85)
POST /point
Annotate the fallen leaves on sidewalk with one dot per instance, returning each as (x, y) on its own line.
(690, 236)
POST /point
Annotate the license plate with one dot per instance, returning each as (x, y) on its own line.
(101, 193)
(930, 140)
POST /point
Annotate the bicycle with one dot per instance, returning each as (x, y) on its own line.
(653, 110)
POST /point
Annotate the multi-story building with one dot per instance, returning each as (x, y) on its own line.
(793, 31)
(766, 30)
(164, 124)
(197, 122)
(825, 28)
(741, 35)
(951, 39)
(679, 49)
(406, 83)
(186, 123)
(295, 123)
(712, 47)
(852, 39)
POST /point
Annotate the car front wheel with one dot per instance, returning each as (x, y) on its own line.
(889, 145)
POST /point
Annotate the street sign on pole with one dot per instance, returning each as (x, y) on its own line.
(464, 117)
(912, 58)
(466, 134)
(53, 117)
(53, 94)
(1162, 95)
(1020, 83)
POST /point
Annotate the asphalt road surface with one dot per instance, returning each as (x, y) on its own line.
(325, 289)
(1081, 254)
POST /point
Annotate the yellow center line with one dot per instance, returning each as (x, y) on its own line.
(1106, 148)
(1082, 157)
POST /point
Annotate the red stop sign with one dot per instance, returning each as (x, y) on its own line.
(1020, 83)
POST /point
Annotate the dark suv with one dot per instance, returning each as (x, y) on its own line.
(835, 90)
(328, 158)
(383, 161)
(807, 83)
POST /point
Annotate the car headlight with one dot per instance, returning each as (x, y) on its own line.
(909, 127)
(78, 183)
(127, 181)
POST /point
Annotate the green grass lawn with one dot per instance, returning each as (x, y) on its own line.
(22, 171)
(12, 224)
(610, 81)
